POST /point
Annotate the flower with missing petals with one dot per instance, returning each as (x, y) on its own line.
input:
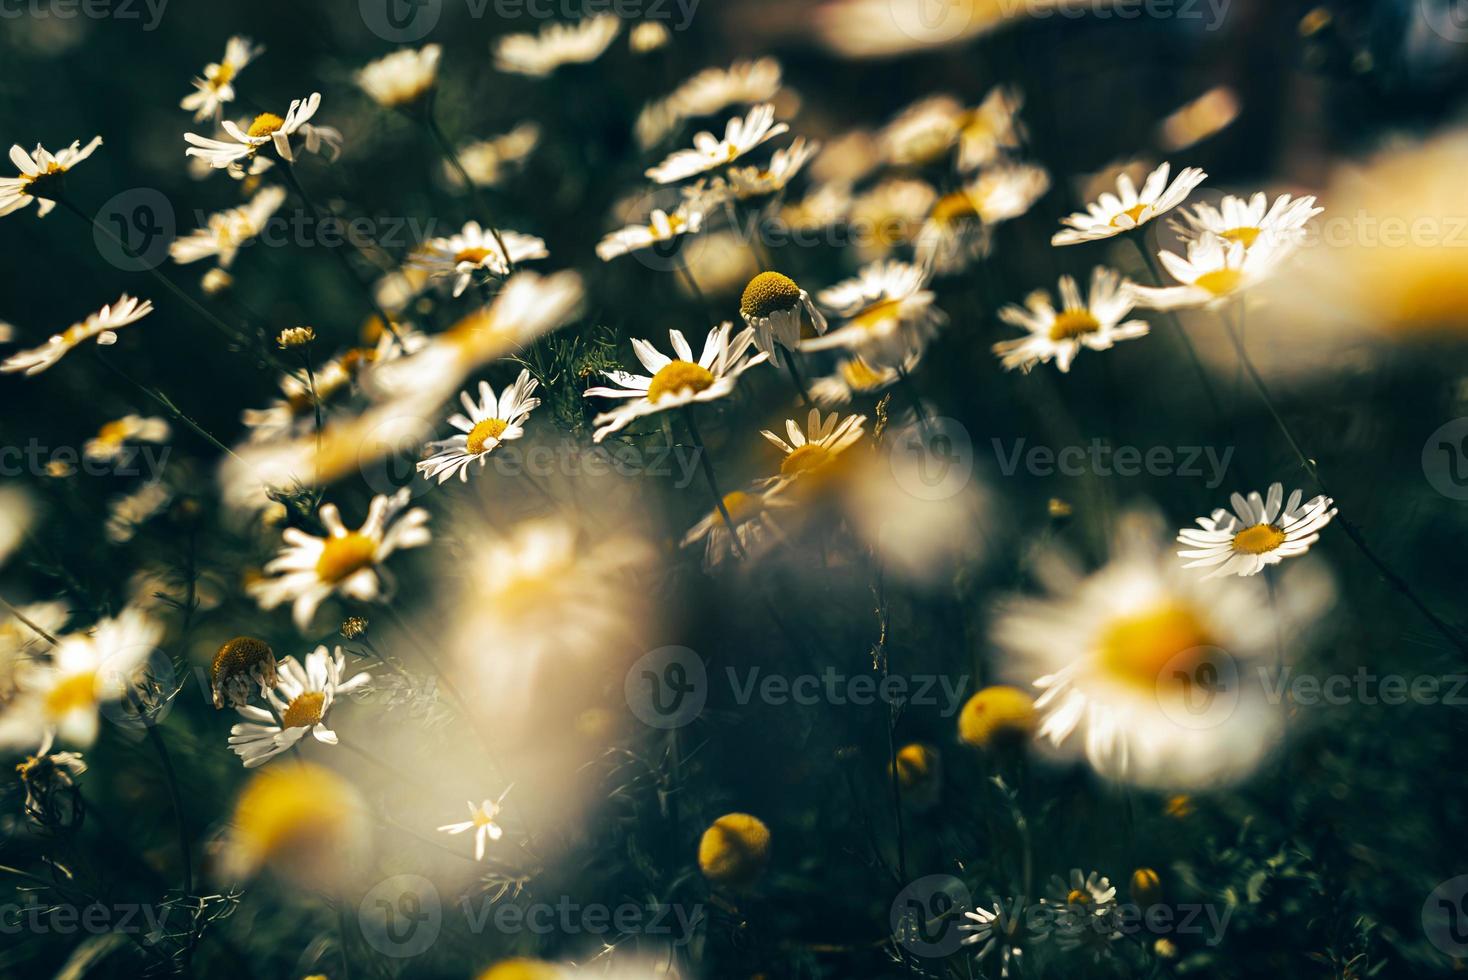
(244, 143)
(228, 231)
(216, 87)
(662, 227)
(741, 134)
(1095, 322)
(41, 172)
(102, 325)
(1116, 214)
(775, 306)
(537, 55)
(483, 820)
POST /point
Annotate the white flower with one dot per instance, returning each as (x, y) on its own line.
(773, 305)
(402, 77)
(889, 214)
(1095, 322)
(1280, 225)
(102, 325)
(20, 645)
(952, 236)
(309, 568)
(266, 128)
(708, 93)
(475, 248)
(557, 44)
(1150, 673)
(923, 132)
(810, 452)
(1007, 190)
(482, 820)
(991, 130)
(489, 161)
(1000, 928)
(648, 36)
(127, 513)
(741, 134)
(1260, 532)
(676, 382)
(217, 86)
(110, 440)
(1214, 272)
(1082, 910)
(40, 171)
(489, 422)
(662, 227)
(888, 311)
(1115, 214)
(298, 705)
(230, 230)
(853, 377)
(752, 514)
(744, 183)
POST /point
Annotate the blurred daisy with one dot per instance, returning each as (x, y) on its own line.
(266, 128)
(888, 310)
(991, 130)
(474, 249)
(1146, 670)
(299, 702)
(741, 134)
(773, 305)
(86, 671)
(889, 214)
(709, 93)
(1005, 191)
(482, 820)
(1081, 909)
(21, 645)
(649, 36)
(744, 183)
(304, 821)
(1115, 214)
(228, 231)
(1281, 225)
(810, 452)
(489, 422)
(216, 88)
(675, 382)
(1261, 531)
(820, 209)
(662, 227)
(557, 44)
(401, 78)
(110, 440)
(309, 568)
(40, 174)
(1214, 272)
(923, 132)
(752, 512)
(102, 325)
(952, 236)
(853, 377)
(996, 929)
(130, 511)
(488, 162)
(1096, 322)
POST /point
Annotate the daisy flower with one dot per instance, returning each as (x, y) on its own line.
(741, 134)
(1261, 531)
(229, 231)
(474, 249)
(299, 702)
(107, 445)
(1083, 910)
(1006, 191)
(482, 820)
(648, 36)
(1115, 214)
(1280, 225)
(1096, 322)
(65, 694)
(266, 128)
(489, 422)
(810, 453)
(304, 822)
(752, 514)
(1147, 671)
(401, 78)
(675, 382)
(216, 88)
(537, 55)
(952, 236)
(989, 131)
(662, 227)
(708, 93)
(888, 310)
(853, 377)
(995, 929)
(103, 325)
(489, 161)
(772, 304)
(744, 183)
(309, 568)
(890, 214)
(40, 173)
(1215, 271)
(127, 513)
(923, 132)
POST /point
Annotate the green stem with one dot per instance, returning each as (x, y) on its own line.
(712, 481)
(1205, 382)
(451, 156)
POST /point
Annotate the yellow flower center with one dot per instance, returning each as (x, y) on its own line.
(304, 711)
(880, 317)
(222, 75)
(952, 208)
(1220, 282)
(767, 293)
(483, 432)
(265, 124)
(74, 693)
(342, 556)
(113, 433)
(1259, 539)
(473, 255)
(1070, 324)
(741, 506)
(1134, 212)
(483, 817)
(811, 456)
(1078, 896)
(679, 376)
(1246, 235)
(1138, 649)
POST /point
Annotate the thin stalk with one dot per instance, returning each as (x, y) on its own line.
(712, 480)
(32, 626)
(795, 376)
(1203, 379)
(451, 156)
(168, 405)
